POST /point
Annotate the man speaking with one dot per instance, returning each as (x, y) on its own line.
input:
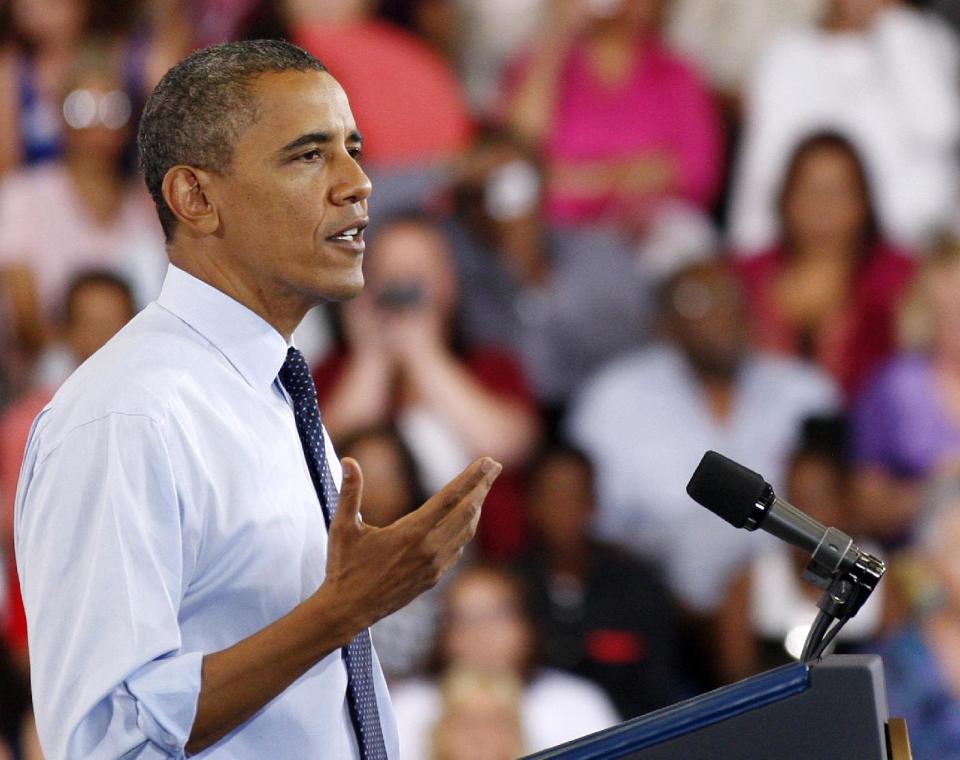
(196, 580)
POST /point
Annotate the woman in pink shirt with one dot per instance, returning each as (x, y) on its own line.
(624, 123)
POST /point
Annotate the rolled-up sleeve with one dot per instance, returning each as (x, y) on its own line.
(100, 556)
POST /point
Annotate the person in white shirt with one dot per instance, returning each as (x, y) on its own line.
(725, 36)
(192, 580)
(647, 418)
(883, 74)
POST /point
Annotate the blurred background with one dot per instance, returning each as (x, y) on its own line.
(607, 236)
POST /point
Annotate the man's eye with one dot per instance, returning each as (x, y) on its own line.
(311, 155)
(355, 153)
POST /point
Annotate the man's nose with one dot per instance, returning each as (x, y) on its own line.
(353, 185)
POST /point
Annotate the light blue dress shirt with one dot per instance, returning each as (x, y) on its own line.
(165, 511)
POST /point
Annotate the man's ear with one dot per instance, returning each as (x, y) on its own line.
(188, 192)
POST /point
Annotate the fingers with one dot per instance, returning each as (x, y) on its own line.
(445, 523)
(351, 493)
(482, 470)
(458, 525)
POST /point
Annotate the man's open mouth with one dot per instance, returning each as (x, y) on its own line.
(353, 234)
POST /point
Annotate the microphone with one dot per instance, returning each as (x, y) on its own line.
(745, 500)
(846, 573)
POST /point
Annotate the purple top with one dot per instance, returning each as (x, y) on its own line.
(900, 421)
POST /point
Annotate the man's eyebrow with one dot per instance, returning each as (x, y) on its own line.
(318, 138)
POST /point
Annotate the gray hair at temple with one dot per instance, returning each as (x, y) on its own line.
(202, 105)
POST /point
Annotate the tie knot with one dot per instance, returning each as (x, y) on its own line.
(295, 376)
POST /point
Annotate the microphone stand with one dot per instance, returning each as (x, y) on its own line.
(846, 573)
(848, 576)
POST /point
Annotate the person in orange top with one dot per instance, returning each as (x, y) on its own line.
(405, 94)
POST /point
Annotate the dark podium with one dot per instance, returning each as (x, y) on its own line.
(832, 709)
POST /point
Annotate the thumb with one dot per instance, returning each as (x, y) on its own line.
(351, 492)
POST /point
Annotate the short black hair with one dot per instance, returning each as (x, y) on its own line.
(825, 437)
(202, 105)
(560, 449)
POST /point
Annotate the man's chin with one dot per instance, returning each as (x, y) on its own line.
(344, 291)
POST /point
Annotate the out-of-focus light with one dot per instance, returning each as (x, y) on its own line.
(512, 191)
(80, 109)
(114, 109)
(83, 109)
(794, 640)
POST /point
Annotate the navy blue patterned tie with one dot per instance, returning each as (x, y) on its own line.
(358, 654)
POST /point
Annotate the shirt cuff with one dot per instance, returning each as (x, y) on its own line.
(166, 693)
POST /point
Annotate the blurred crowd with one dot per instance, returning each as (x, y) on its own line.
(607, 235)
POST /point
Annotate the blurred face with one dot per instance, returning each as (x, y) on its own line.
(943, 287)
(46, 21)
(97, 114)
(500, 194)
(856, 15)
(97, 313)
(386, 494)
(561, 503)
(814, 486)
(293, 205)
(326, 11)
(485, 629)
(706, 318)
(946, 558)
(825, 205)
(637, 16)
(414, 260)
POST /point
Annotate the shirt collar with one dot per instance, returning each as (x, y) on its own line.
(253, 346)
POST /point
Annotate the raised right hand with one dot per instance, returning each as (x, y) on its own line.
(372, 572)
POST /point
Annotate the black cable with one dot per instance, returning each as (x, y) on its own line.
(815, 635)
(829, 637)
(849, 608)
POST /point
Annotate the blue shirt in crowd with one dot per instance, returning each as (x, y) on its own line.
(918, 692)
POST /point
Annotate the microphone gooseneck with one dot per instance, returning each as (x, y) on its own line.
(846, 573)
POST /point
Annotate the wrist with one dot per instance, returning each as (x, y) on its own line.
(333, 618)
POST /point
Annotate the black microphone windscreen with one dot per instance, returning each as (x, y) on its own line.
(726, 488)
